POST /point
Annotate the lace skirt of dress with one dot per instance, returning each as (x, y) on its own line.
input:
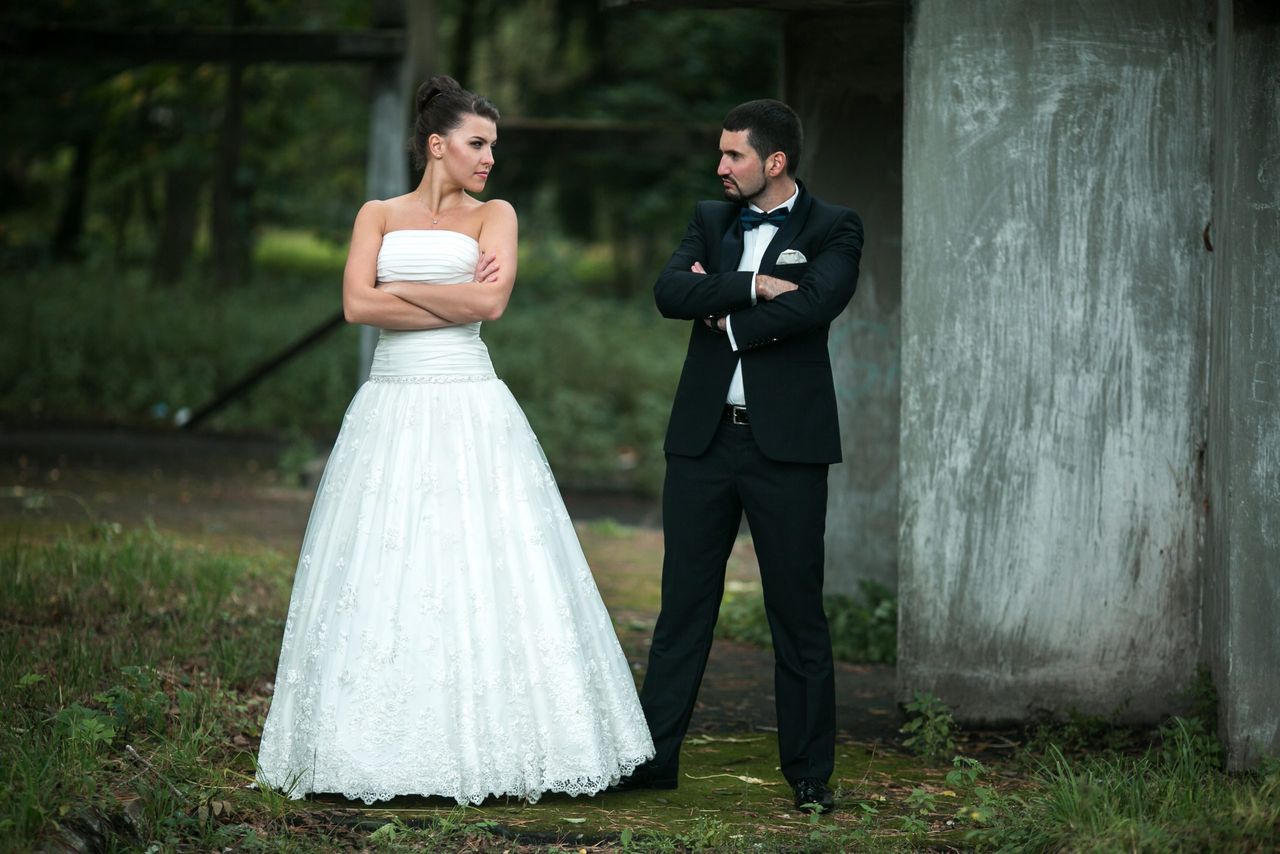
(445, 635)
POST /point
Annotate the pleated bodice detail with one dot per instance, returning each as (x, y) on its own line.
(436, 258)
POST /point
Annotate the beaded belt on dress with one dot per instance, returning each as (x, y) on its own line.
(432, 378)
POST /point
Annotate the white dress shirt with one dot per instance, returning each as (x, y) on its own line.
(754, 242)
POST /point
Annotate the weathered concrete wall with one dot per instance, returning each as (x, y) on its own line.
(1243, 615)
(1057, 181)
(844, 77)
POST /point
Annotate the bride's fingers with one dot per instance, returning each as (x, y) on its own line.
(487, 268)
(482, 265)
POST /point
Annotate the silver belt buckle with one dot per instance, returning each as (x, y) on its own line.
(739, 415)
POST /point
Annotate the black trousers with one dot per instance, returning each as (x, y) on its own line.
(702, 505)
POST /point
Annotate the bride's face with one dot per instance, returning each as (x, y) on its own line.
(467, 152)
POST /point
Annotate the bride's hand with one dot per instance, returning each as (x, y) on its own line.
(487, 268)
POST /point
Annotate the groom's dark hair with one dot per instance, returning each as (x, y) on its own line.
(771, 126)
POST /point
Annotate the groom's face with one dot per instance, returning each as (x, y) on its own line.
(741, 170)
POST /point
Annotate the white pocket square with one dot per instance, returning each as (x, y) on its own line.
(791, 256)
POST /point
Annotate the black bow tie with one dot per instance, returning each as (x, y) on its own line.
(753, 219)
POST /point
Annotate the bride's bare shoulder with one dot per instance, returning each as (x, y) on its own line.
(497, 211)
(373, 213)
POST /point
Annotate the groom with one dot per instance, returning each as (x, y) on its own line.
(753, 429)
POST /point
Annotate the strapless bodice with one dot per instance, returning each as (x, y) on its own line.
(452, 354)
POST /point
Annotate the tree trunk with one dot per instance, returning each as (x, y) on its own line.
(230, 238)
(230, 229)
(66, 239)
(178, 225)
(460, 62)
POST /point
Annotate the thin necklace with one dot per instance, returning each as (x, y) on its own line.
(435, 216)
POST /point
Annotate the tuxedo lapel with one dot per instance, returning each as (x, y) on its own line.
(790, 229)
(731, 245)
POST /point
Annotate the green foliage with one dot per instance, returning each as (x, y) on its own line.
(930, 729)
(83, 727)
(1202, 696)
(864, 628)
(152, 128)
(595, 379)
(137, 702)
(1172, 798)
(594, 375)
(704, 833)
(84, 718)
(103, 345)
(295, 459)
(1079, 732)
(983, 804)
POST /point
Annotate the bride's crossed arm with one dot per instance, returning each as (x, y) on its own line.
(362, 300)
(486, 298)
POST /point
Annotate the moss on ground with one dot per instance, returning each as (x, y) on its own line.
(731, 795)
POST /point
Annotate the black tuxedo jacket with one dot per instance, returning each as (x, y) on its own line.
(786, 370)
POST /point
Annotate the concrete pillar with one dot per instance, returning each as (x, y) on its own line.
(843, 75)
(1243, 555)
(1056, 185)
(386, 172)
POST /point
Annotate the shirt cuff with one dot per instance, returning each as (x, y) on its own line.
(728, 330)
(753, 290)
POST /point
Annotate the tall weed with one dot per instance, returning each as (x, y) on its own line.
(1174, 797)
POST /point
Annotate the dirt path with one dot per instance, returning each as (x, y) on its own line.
(231, 491)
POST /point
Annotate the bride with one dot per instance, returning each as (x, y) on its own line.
(445, 635)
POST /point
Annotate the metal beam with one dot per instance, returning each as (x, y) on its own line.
(202, 44)
(771, 5)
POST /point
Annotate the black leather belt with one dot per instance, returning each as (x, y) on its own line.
(736, 414)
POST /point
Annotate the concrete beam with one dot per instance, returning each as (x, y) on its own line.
(843, 76)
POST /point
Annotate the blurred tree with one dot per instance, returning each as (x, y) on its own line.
(123, 154)
(143, 159)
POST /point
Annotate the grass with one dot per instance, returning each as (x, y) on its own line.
(133, 671)
(1172, 797)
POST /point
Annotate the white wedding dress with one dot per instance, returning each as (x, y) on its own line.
(445, 635)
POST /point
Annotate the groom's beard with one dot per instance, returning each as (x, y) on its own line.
(734, 192)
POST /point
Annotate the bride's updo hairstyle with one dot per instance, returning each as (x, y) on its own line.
(442, 105)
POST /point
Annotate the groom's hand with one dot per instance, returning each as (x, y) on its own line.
(768, 287)
(487, 268)
(712, 322)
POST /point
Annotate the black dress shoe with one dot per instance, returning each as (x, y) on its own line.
(645, 777)
(813, 795)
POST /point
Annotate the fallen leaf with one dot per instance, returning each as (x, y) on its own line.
(755, 781)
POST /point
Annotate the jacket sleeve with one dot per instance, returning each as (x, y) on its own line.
(821, 295)
(684, 295)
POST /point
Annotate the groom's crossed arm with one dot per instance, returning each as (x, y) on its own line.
(682, 294)
(822, 294)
